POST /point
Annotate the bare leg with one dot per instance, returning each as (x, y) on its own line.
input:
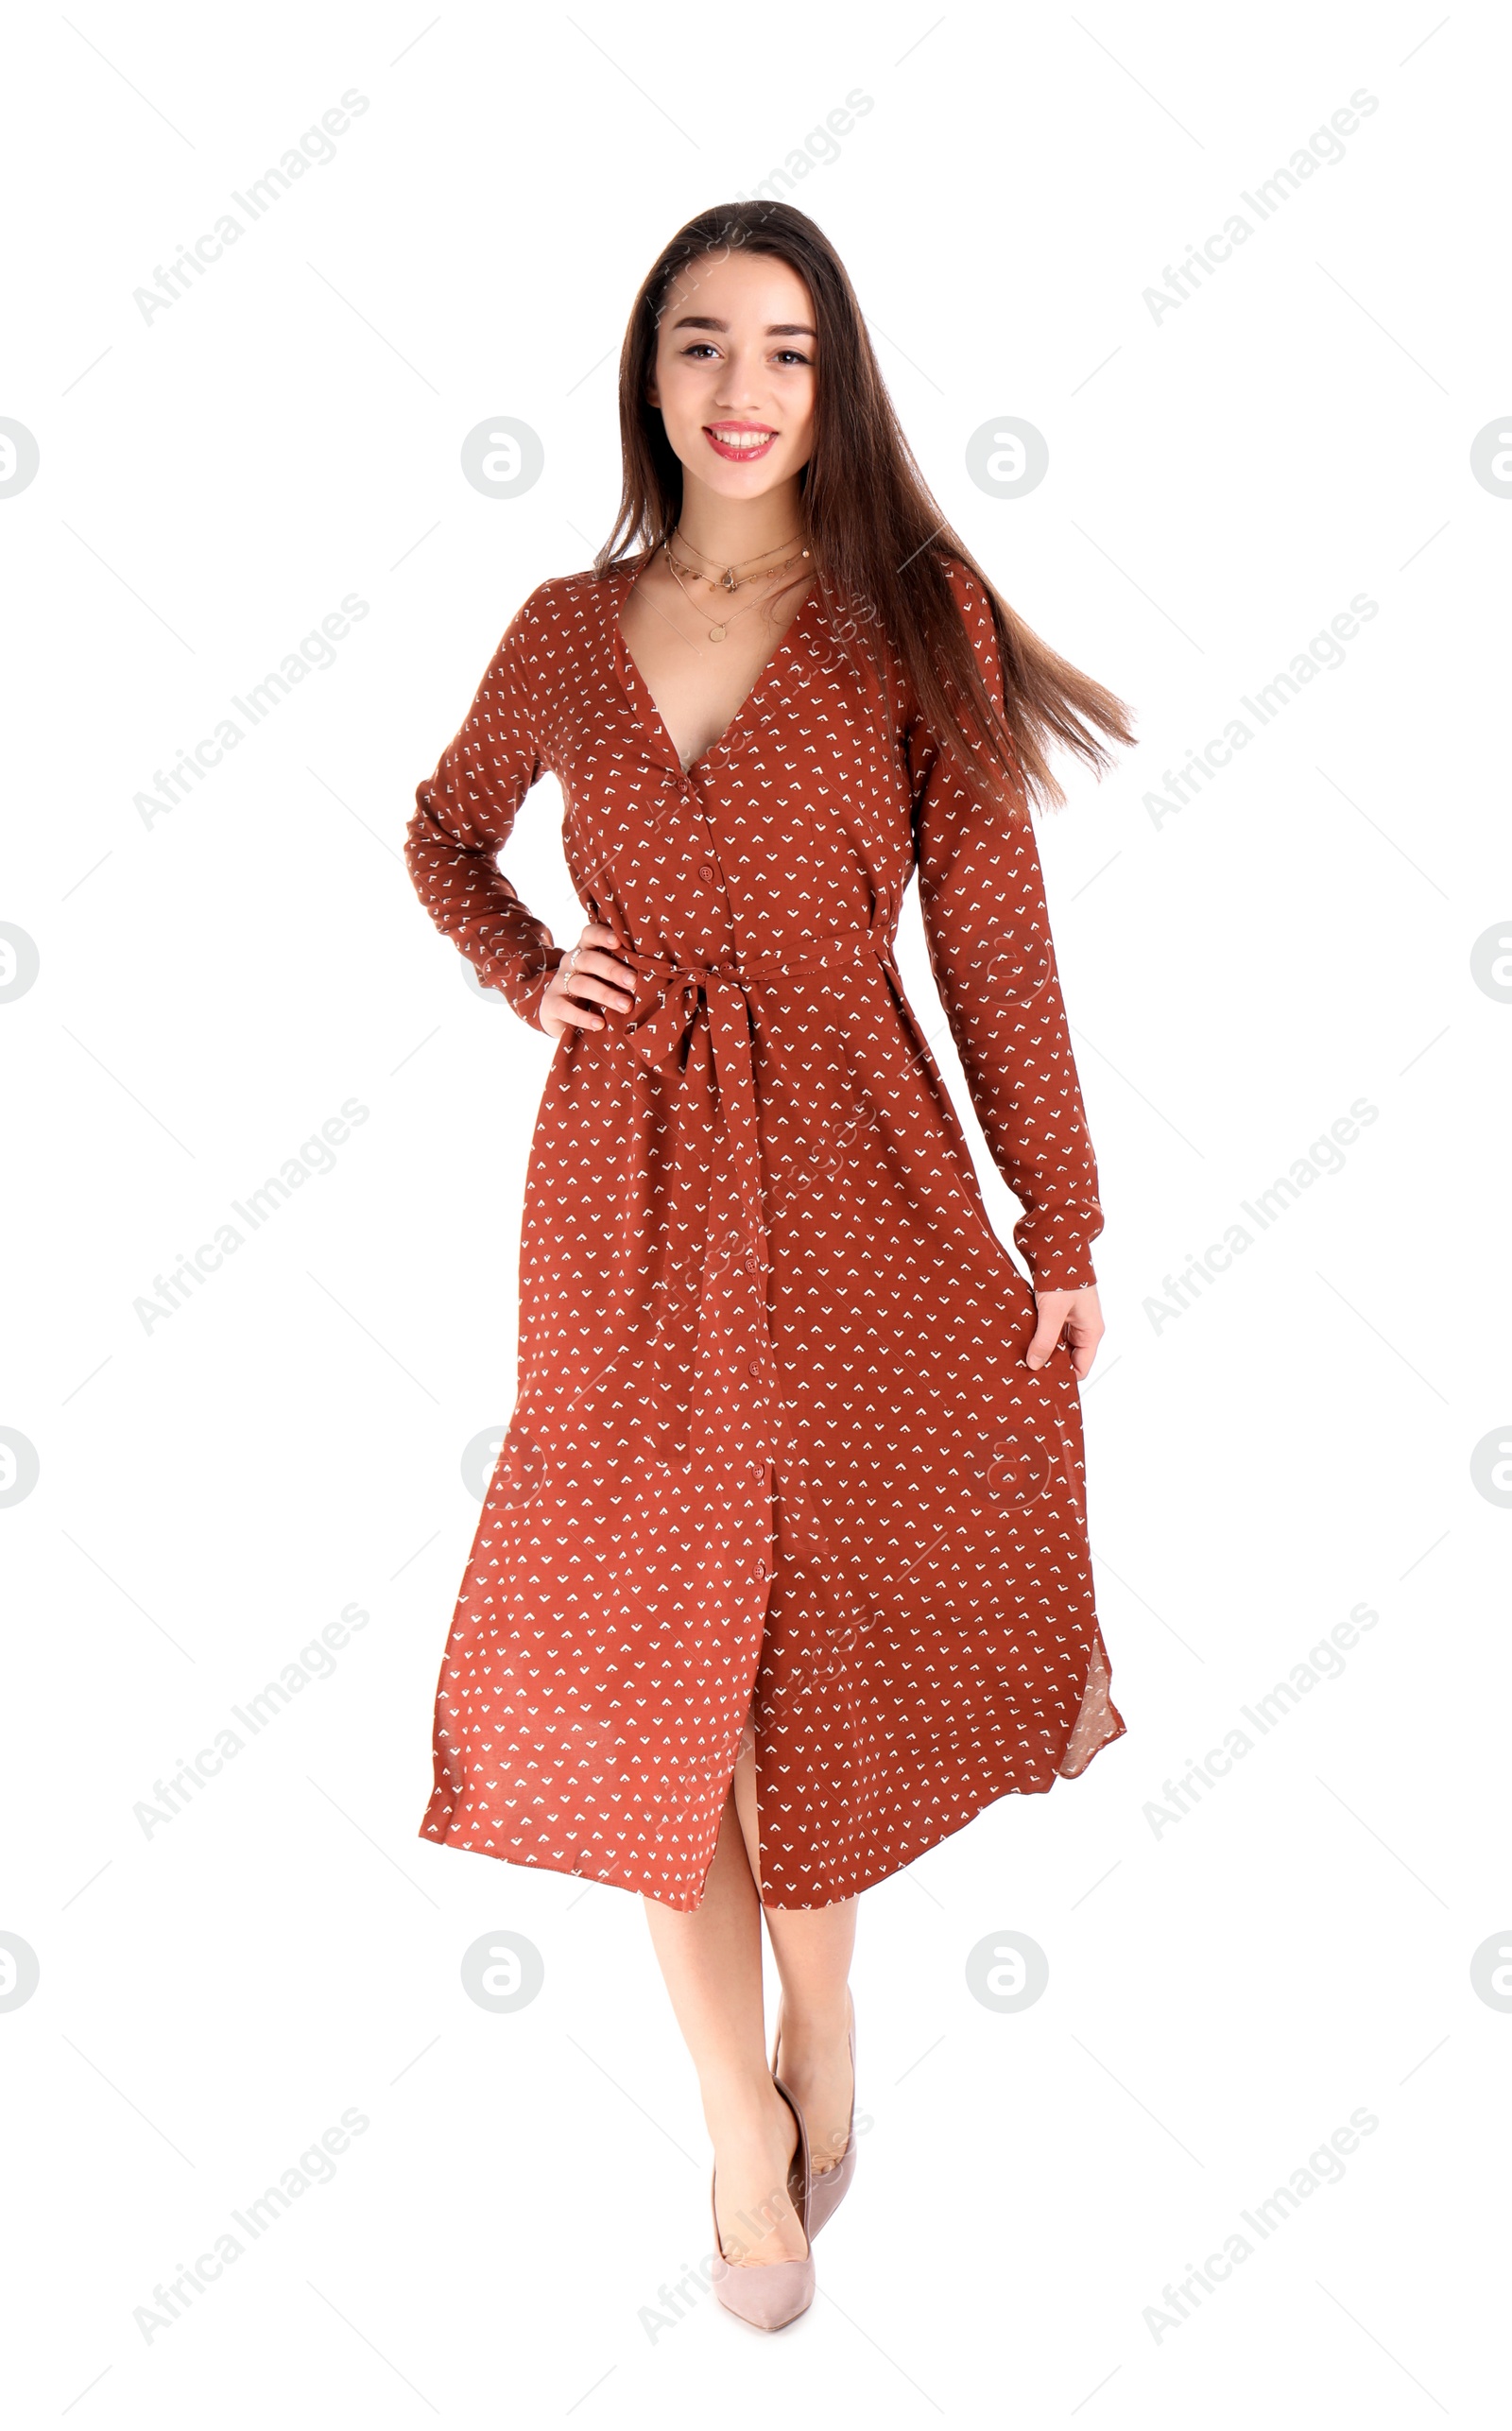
(812, 1948)
(712, 1963)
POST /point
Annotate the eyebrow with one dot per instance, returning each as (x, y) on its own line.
(774, 328)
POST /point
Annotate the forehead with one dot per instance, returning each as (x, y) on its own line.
(750, 291)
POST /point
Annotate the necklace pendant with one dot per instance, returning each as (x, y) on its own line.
(717, 632)
(727, 579)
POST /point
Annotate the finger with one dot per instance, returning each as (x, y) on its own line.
(1046, 1335)
(595, 937)
(1083, 1352)
(601, 966)
(581, 965)
(1084, 1330)
(564, 1010)
(596, 991)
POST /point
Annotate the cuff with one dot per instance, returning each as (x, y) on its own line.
(1058, 1249)
(1063, 1277)
(521, 977)
(526, 989)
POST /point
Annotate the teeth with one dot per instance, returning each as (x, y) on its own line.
(744, 438)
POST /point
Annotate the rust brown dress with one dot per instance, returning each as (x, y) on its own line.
(775, 1447)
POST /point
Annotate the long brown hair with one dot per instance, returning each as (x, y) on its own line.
(879, 539)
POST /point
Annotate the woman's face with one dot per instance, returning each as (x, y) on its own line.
(736, 354)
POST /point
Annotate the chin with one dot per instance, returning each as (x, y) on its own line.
(736, 480)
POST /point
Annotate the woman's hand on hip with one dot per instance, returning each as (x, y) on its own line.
(593, 973)
(1076, 1314)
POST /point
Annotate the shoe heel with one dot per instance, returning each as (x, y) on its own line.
(831, 2186)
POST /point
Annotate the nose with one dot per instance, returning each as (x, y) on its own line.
(739, 388)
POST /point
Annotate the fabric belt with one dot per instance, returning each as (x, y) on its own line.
(669, 998)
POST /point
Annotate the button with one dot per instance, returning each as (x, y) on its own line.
(753, 1262)
(707, 869)
(761, 1569)
(756, 1368)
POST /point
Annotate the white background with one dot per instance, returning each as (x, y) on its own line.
(1222, 1993)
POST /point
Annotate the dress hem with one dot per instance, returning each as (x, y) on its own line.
(619, 1878)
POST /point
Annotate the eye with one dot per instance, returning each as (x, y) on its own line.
(700, 345)
(791, 355)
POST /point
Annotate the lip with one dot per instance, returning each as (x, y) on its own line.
(739, 454)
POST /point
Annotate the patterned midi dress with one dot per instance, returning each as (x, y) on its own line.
(774, 1461)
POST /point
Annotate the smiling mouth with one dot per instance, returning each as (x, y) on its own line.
(739, 441)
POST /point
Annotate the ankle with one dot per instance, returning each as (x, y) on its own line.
(814, 2026)
(742, 2104)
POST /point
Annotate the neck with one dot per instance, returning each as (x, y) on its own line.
(729, 530)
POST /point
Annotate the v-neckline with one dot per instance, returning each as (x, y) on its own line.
(639, 691)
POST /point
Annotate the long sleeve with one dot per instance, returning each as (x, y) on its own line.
(982, 896)
(464, 814)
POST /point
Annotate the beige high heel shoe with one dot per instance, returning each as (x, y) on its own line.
(831, 2185)
(768, 2295)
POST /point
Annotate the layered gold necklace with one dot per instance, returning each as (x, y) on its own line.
(729, 578)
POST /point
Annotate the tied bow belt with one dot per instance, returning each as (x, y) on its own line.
(669, 997)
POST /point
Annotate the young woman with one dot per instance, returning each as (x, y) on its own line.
(782, 1575)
